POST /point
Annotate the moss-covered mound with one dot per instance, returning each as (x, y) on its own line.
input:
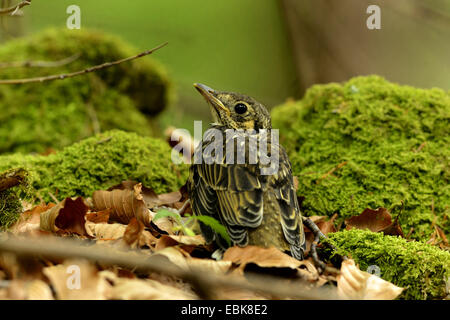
(98, 163)
(369, 143)
(423, 270)
(10, 207)
(54, 114)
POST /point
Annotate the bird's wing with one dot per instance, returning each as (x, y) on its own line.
(238, 191)
(203, 201)
(291, 220)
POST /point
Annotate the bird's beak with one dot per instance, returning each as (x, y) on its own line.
(208, 94)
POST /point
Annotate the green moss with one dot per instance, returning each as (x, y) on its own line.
(10, 208)
(390, 141)
(98, 163)
(54, 114)
(421, 269)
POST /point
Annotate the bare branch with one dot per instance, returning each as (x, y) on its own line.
(81, 72)
(39, 64)
(13, 10)
(205, 279)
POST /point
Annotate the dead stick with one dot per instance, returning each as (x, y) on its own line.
(14, 8)
(81, 72)
(69, 249)
(39, 64)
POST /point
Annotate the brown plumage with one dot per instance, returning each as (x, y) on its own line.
(256, 208)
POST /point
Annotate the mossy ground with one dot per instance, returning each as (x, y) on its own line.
(421, 269)
(39, 116)
(369, 143)
(98, 163)
(10, 207)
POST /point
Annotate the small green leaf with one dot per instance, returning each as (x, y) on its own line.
(188, 232)
(216, 226)
(163, 213)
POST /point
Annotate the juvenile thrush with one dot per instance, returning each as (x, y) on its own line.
(257, 207)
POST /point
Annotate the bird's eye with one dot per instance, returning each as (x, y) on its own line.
(240, 108)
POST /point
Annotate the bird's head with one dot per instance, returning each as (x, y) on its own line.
(235, 110)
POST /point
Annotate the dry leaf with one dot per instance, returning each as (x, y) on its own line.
(29, 221)
(99, 217)
(356, 284)
(379, 220)
(308, 271)
(185, 262)
(169, 198)
(136, 236)
(185, 241)
(262, 257)
(149, 196)
(39, 290)
(67, 217)
(165, 224)
(124, 204)
(77, 280)
(138, 289)
(105, 231)
(135, 289)
(212, 265)
(237, 294)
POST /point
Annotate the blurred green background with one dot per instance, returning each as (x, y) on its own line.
(270, 49)
(238, 45)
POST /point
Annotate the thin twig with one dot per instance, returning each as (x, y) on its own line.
(81, 72)
(39, 64)
(15, 8)
(207, 279)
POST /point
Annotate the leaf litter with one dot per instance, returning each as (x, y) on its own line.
(130, 217)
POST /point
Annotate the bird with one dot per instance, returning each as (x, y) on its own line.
(257, 207)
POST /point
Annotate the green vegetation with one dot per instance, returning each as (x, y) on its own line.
(421, 269)
(10, 207)
(54, 114)
(98, 163)
(369, 143)
(217, 43)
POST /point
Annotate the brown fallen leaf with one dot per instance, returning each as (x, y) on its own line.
(149, 196)
(169, 198)
(66, 217)
(379, 220)
(99, 217)
(105, 231)
(237, 294)
(262, 257)
(39, 290)
(136, 236)
(77, 280)
(353, 283)
(143, 289)
(29, 221)
(124, 204)
(188, 243)
(165, 224)
(182, 259)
